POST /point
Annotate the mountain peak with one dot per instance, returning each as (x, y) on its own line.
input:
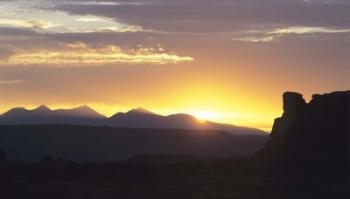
(81, 111)
(88, 111)
(85, 109)
(15, 111)
(183, 116)
(140, 111)
(42, 108)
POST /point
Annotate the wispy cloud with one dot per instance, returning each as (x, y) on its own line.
(107, 3)
(258, 36)
(7, 82)
(23, 23)
(254, 39)
(80, 54)
(307, 30)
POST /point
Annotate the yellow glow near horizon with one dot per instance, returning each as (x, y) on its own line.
(206, 100)
(205, 115)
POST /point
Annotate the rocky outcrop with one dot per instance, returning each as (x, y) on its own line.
(2, 157)
(311, 139)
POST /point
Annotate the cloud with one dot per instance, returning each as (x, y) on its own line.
(7, 82)
(79, 54)
(35, 24)
(185, 18)
(44, 18)
(257, 36)
(198, 16)
(254, 39)
(307, 30)
(107, 3)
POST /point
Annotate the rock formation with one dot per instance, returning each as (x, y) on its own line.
(2, 157)
(311, 139)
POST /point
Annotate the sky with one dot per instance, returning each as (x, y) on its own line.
(225, 60)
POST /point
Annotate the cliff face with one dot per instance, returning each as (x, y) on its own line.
(2, 157)
(312, 138)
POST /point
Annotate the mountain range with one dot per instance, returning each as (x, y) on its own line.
(135, 118)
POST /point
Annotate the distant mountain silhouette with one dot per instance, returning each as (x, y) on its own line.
(83, 111)
(311, 140)
(43, 115)
(142, 118)
(136, 118)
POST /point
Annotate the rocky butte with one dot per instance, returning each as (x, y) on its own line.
(310, 141)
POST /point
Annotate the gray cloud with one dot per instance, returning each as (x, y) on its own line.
(237, 20)
(222, 15)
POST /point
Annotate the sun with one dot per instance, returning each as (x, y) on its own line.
(204, 115)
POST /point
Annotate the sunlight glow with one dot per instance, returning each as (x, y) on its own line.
(205, 115)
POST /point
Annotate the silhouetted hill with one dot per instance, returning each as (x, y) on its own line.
(311, 140)
(141, 118)
(144, 119)
(81, 143)
(43, 115)
(82, 111)
(136, 118)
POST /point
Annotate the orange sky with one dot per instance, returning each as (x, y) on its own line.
(218, 60)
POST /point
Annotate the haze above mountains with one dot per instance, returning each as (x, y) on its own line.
(135, 118)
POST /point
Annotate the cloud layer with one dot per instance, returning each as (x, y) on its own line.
(80, 54)
(44, 18)
(221, 15)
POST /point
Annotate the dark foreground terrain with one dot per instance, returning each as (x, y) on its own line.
(104, 144)
(306, 157)
(161, 177)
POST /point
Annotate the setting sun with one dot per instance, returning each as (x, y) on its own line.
(205, 115)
